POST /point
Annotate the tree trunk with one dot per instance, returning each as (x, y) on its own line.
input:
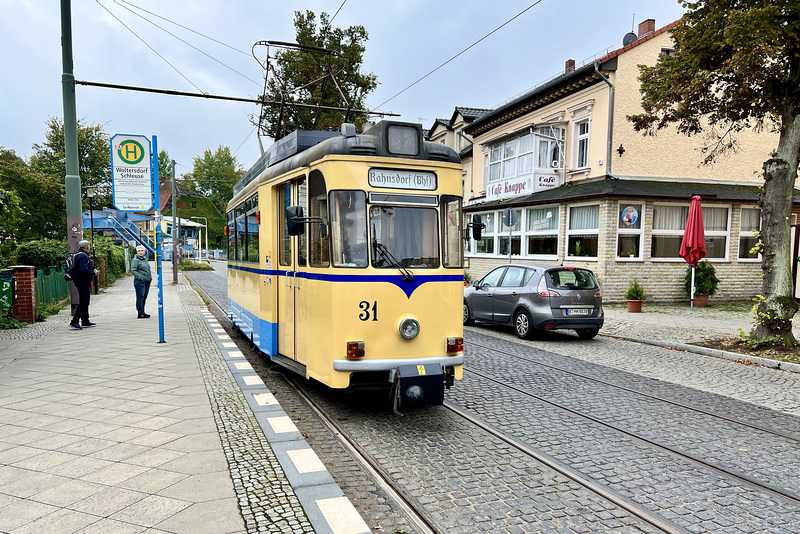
(777, 306)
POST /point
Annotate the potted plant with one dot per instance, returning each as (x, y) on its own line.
(705, 283)
(634, 296)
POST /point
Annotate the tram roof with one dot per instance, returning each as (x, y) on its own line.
(303, 147)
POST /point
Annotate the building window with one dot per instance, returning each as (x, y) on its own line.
(549, 150)
(629, 231)
(541, 231)
(749, 226)
(510, 237)
(486, 244)
(669, 223)
(582, 231)
(582, 144)
(511, 158)
(716, 222)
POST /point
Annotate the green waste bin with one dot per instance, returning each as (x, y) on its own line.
(6, 290)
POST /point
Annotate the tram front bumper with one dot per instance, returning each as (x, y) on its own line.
(418, 385)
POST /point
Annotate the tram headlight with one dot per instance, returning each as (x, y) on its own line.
(409, 328)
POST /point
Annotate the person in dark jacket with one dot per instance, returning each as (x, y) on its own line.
(84, 274)
(142, 277)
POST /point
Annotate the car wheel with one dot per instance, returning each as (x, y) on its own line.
(523, 326)
(587, 333)
(468, 320)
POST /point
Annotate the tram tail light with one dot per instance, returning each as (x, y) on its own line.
(355, 349)
(455, 344)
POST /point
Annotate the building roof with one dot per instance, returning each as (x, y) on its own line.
(469, 114)
(557, 87)
(636, 187)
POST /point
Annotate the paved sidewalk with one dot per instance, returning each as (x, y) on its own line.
(106, 430)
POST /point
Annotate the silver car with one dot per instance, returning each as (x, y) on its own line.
(533, 297)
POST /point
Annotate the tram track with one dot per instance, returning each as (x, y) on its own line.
(741, 422)
(742, 478)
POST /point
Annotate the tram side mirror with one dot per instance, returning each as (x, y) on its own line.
(294, 223)
(323, 230)
(477, 227)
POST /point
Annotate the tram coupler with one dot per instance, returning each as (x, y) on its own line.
(417, 386)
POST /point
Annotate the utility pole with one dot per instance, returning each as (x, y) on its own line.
(174, 228)
(72, 180)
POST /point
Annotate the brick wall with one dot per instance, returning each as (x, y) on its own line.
(25, 300)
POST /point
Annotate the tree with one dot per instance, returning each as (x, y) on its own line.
(164, 165)
(40, 211)
(737, 66)
(94, 157)
(214, 175)
(314, 77)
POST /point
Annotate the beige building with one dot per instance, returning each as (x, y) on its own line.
(450, 132)
(591, 192)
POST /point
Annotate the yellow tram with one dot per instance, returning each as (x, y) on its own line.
(345, 259)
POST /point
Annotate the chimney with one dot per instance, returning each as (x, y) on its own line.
(569, 66)
(647, 26)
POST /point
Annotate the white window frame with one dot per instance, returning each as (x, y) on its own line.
(748, 233)
(516, 231)
(679, 233)
(630, 231)
(570, 232)
(719, 233)
(488, 232)
(580, 114)
(556, 214)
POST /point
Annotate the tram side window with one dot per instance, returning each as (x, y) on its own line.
(451, 230)
(252, 229)
(241, 234)
(231, 235)
(285, 249)
(349, 228)
(318, 248)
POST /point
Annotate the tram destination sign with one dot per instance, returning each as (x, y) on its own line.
(397, 179)
(131, 179)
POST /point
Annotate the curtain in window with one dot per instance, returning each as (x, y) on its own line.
(671, 217)
(715, 219)
(538, 221)
(584, 218)
(751, 219)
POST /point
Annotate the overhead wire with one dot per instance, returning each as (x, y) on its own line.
(186, 28)
(188, 43)
(460, 53)
(150, 47)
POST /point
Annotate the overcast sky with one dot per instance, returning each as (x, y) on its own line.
(407, 40)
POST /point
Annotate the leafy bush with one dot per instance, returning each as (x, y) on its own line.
(8, 321)
(8, 254)
(42, 254)
(635, 291)
(705, 280)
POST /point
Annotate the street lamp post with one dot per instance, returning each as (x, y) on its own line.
(90, 196)
(205, 229)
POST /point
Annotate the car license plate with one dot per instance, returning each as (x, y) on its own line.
(577, 311)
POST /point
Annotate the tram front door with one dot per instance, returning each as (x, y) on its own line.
(290, 285)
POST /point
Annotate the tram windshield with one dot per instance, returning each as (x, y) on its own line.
(408, 234)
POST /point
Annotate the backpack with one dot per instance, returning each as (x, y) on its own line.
(71, 266)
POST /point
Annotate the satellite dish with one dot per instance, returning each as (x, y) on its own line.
(629, 38)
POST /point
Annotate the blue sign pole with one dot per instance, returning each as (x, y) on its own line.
(157, 214)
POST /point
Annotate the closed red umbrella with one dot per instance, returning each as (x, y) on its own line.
(693, 245)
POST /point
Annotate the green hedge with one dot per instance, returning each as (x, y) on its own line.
(42, 254)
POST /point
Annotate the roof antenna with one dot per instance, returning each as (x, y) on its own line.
(633, 22)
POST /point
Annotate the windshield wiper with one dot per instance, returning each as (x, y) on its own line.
(380, 247)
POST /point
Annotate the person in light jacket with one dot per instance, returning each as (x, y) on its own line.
(140, 268)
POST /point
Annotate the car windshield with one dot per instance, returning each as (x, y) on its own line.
(571, 279)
